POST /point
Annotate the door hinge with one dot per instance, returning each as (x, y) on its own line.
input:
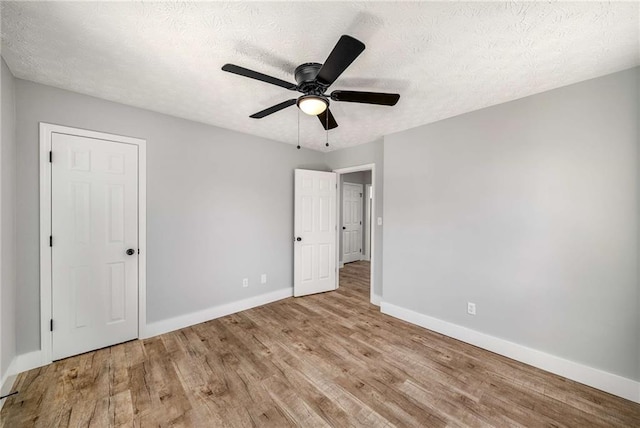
(360, 222)
(360, 249)
(50, 240)
(50, 156)
(51, 324)
(360, 194)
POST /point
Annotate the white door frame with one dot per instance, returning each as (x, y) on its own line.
(367, 219)
(46, 132)
(367, 167)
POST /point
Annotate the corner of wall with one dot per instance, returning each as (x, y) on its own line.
(8, 286)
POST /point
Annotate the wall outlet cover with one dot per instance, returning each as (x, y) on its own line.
(471, 308)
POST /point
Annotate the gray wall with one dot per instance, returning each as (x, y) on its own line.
(360, 177)
(7, 220)
(361, 155)
(530, 210)
(219, 204)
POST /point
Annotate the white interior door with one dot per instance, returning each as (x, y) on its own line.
(315, 232)
(351, 222)
(94, 221)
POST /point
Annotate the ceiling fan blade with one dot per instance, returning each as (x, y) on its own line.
(379, 98)
(323, 119)
(236, 69)
(343, 54)
(273, 109)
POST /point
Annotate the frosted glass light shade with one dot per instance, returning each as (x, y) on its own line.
(312, 105)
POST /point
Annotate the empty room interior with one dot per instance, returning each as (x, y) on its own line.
(376, 214)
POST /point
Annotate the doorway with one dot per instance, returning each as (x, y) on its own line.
(356, 242)
(92, 223)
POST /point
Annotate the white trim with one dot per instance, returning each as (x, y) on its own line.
(367, 222)
(376, 299)
(46, 131)
(142, 238)
(45, 232)
(187, 320)
(20, 363)
(28, 361)
(35, 359)
(7, 381)
(7, 386)
(605, 381)
(374, 185)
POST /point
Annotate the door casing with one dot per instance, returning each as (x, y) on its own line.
(46, 132)
(373, 298)
(367, 223)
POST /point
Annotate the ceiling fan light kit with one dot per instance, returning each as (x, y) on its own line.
(313, 79)
(313, 105)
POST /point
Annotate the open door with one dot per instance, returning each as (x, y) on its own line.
(314, 259)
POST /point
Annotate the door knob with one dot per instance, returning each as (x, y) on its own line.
(130, 252)
(343, 228)
(298, 239)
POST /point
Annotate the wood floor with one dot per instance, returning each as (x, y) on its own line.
(326, 360)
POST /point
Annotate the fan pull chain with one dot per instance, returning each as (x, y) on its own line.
(327, 128)
(298, 129)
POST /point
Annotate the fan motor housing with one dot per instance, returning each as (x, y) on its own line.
(305, 75)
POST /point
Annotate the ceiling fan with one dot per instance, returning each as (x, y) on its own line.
(313, 80)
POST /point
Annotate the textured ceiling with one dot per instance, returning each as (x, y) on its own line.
(443, 58)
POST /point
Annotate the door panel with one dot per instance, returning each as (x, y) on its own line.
(315, 225)
(351, 222)
(94, 220)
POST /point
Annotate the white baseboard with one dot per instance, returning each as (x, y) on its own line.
(7, 385)
(32, 360)
(340, 265)
(182, 321)
(20, 363)
(6, 375)
(605, 381)
(7, 381)
(376, 299)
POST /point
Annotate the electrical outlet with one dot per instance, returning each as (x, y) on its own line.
(471, 308)
(245, 282)
(263, 278)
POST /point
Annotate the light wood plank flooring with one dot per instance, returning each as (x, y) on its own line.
(325, 360)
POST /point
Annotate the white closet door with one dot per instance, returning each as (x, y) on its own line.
(94, 223)
(351, 222)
